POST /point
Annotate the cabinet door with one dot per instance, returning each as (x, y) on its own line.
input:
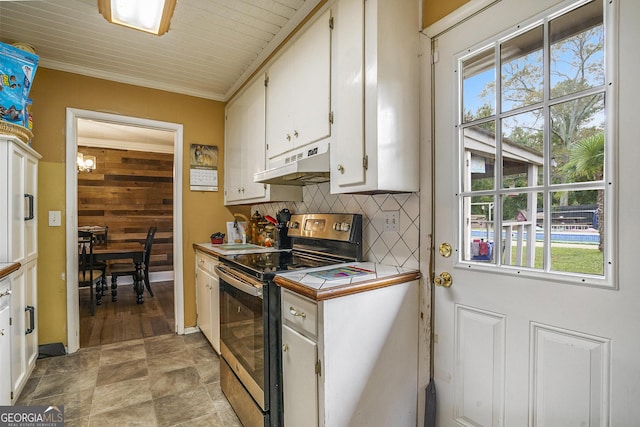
(254, 142)
(31, 313)
(31, 225)
(5, 357)
(203, 303)
(280, 103)
(233, 151)
(299, 379)
(312, 83)
(17, 203)
(214, 285)
(18, 329)
(348, 144)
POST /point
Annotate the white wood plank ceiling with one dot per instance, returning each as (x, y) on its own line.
(212, 45)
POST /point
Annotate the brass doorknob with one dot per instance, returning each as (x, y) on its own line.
(444, 279)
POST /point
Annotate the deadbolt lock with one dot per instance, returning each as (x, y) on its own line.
(445, 250)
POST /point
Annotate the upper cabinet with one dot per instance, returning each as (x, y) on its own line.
(245, 150)
(299, 91)
(375, 135)
(18, 221)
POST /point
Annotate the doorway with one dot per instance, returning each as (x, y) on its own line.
(78, 119)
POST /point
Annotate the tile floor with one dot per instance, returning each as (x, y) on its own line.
(166, 380)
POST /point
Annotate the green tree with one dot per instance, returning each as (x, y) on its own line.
(586, 163)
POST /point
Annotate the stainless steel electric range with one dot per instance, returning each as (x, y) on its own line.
(250, 320)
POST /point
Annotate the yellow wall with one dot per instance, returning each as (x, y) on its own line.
(433, 10)
(202, 212)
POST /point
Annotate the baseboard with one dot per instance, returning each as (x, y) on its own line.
(191, 330)
(156, 276)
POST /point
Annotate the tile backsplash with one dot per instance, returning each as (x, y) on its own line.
(399, 248)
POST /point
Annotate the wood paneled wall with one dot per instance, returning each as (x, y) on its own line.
(129, 192)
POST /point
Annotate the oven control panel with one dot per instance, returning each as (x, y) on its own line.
(344, 227)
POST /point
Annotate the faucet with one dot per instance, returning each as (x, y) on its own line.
(239, 226)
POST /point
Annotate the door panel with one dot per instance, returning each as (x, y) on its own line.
(515, 350)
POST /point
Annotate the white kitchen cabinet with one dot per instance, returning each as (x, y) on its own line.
(5, 341)
(299, 358)
(18, 221)
(299, 91)
(375, 135)
(245, 150)
(365, 371)
(208, 298)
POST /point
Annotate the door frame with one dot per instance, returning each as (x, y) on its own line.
(73, 311)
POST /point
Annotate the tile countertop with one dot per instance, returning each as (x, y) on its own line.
(6, 268)
(216, 250)
(320, 283)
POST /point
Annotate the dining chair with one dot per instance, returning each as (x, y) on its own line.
(129, 268)
(88, 275)
(100, 238)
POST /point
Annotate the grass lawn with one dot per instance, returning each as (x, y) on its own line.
(571, 260)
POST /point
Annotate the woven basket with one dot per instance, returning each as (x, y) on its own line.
(21, 132)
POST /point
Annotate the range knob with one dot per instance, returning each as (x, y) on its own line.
(341, 226)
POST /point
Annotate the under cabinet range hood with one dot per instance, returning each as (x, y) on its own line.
(303, 166)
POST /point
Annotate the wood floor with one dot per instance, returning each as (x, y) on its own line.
(125, 320)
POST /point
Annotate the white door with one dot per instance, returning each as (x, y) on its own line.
(524, 335)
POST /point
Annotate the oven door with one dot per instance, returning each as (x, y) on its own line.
(242, 332)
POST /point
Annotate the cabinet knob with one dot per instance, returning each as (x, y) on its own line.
(288, 137)
(285, 347)
(2, 334)
(340, 168)
(297, 313)
(295, 133)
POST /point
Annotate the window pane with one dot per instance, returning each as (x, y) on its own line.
(480, 155)
(522, 149)
(522, 70)
(478, 86)
(577, 50)
(577, 140)
(577, 232)
(520, 230)
(478, 236)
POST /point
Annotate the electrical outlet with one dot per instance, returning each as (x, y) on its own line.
(391, 220)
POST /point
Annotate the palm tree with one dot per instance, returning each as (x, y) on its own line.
(586, 163)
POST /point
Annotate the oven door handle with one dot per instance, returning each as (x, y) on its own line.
(229, 277)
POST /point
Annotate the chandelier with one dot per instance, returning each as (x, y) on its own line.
(85, 163)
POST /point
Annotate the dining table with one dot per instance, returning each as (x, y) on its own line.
(123, 250)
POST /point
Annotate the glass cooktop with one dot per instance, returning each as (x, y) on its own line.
(266, 265)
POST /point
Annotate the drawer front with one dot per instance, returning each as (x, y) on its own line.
(206, 262)
(299, 313)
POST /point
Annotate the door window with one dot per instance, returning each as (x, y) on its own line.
(533, 146)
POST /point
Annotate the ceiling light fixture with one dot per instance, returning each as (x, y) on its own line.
(85, 163)
(151, 16)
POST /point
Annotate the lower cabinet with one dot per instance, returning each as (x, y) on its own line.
(208, 298)
(299, 358)
(351, 360)
(5, 341)
(24, 335)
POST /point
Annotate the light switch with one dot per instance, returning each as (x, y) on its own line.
(55, 219)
